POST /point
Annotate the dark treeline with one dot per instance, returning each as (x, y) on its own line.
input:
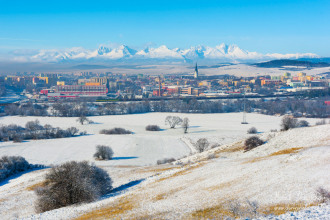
(34, 130)
(296, 106)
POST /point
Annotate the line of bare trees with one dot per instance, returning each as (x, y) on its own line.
(297, 107)
(34, 130)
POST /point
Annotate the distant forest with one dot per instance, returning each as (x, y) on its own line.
(300, 63)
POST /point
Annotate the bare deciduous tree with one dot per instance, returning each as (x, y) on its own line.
(82, 119)
(72, 131)
(71, 183)
(288, 122)
(185, 125)
(103, 152)
(173, 121)
(202, 144)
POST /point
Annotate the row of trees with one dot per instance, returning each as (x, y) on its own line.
(295, 106)
(34, 130)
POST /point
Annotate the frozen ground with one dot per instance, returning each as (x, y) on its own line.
(141, 148)
(271, 174)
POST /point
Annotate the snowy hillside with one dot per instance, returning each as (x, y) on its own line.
(281, 176)
(222, 52)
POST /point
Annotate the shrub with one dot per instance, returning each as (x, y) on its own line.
(72, 131)
(17, 138)
(323, 195)
(252, 130)
(152, 128)
(165, 160)
(71, 183)
(115, 131)
(103, 152)
(302, 123)
(243, 210)
(288, 122)
(10, 165)
(202, 144)
(252, 142)
(83, 133)
(322, 122)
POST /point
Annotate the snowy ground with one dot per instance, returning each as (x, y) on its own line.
(141, 148)
(177, 191)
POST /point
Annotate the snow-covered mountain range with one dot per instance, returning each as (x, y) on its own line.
(222, 52)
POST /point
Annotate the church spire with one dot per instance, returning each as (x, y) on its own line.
(196, 72)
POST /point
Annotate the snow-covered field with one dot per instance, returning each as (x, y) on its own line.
(141, 148)
(286, 170)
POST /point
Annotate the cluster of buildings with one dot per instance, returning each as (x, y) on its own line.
(88, 84)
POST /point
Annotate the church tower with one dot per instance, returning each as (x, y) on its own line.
(196, 72)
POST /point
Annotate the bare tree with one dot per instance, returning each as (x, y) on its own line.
(34, 128)
(173, 121)
(288, 122)
(71, 183)
(82, 119)
(202, 144)
(185, 125)
(72, 131)
(103, 152)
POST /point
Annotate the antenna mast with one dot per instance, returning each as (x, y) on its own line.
(244, 112)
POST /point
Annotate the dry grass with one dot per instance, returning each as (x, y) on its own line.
(188, 169)
(35, 186)
(225, 184)
(167, 194)
(122, 206)
(281, 208)
(236, 147)
(215, 212)
(281, 152)
(157, 170)
(222, 211)
(286, 151)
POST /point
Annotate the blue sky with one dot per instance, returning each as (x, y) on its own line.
(265, 26)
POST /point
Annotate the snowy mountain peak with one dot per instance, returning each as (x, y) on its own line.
(221, 52)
